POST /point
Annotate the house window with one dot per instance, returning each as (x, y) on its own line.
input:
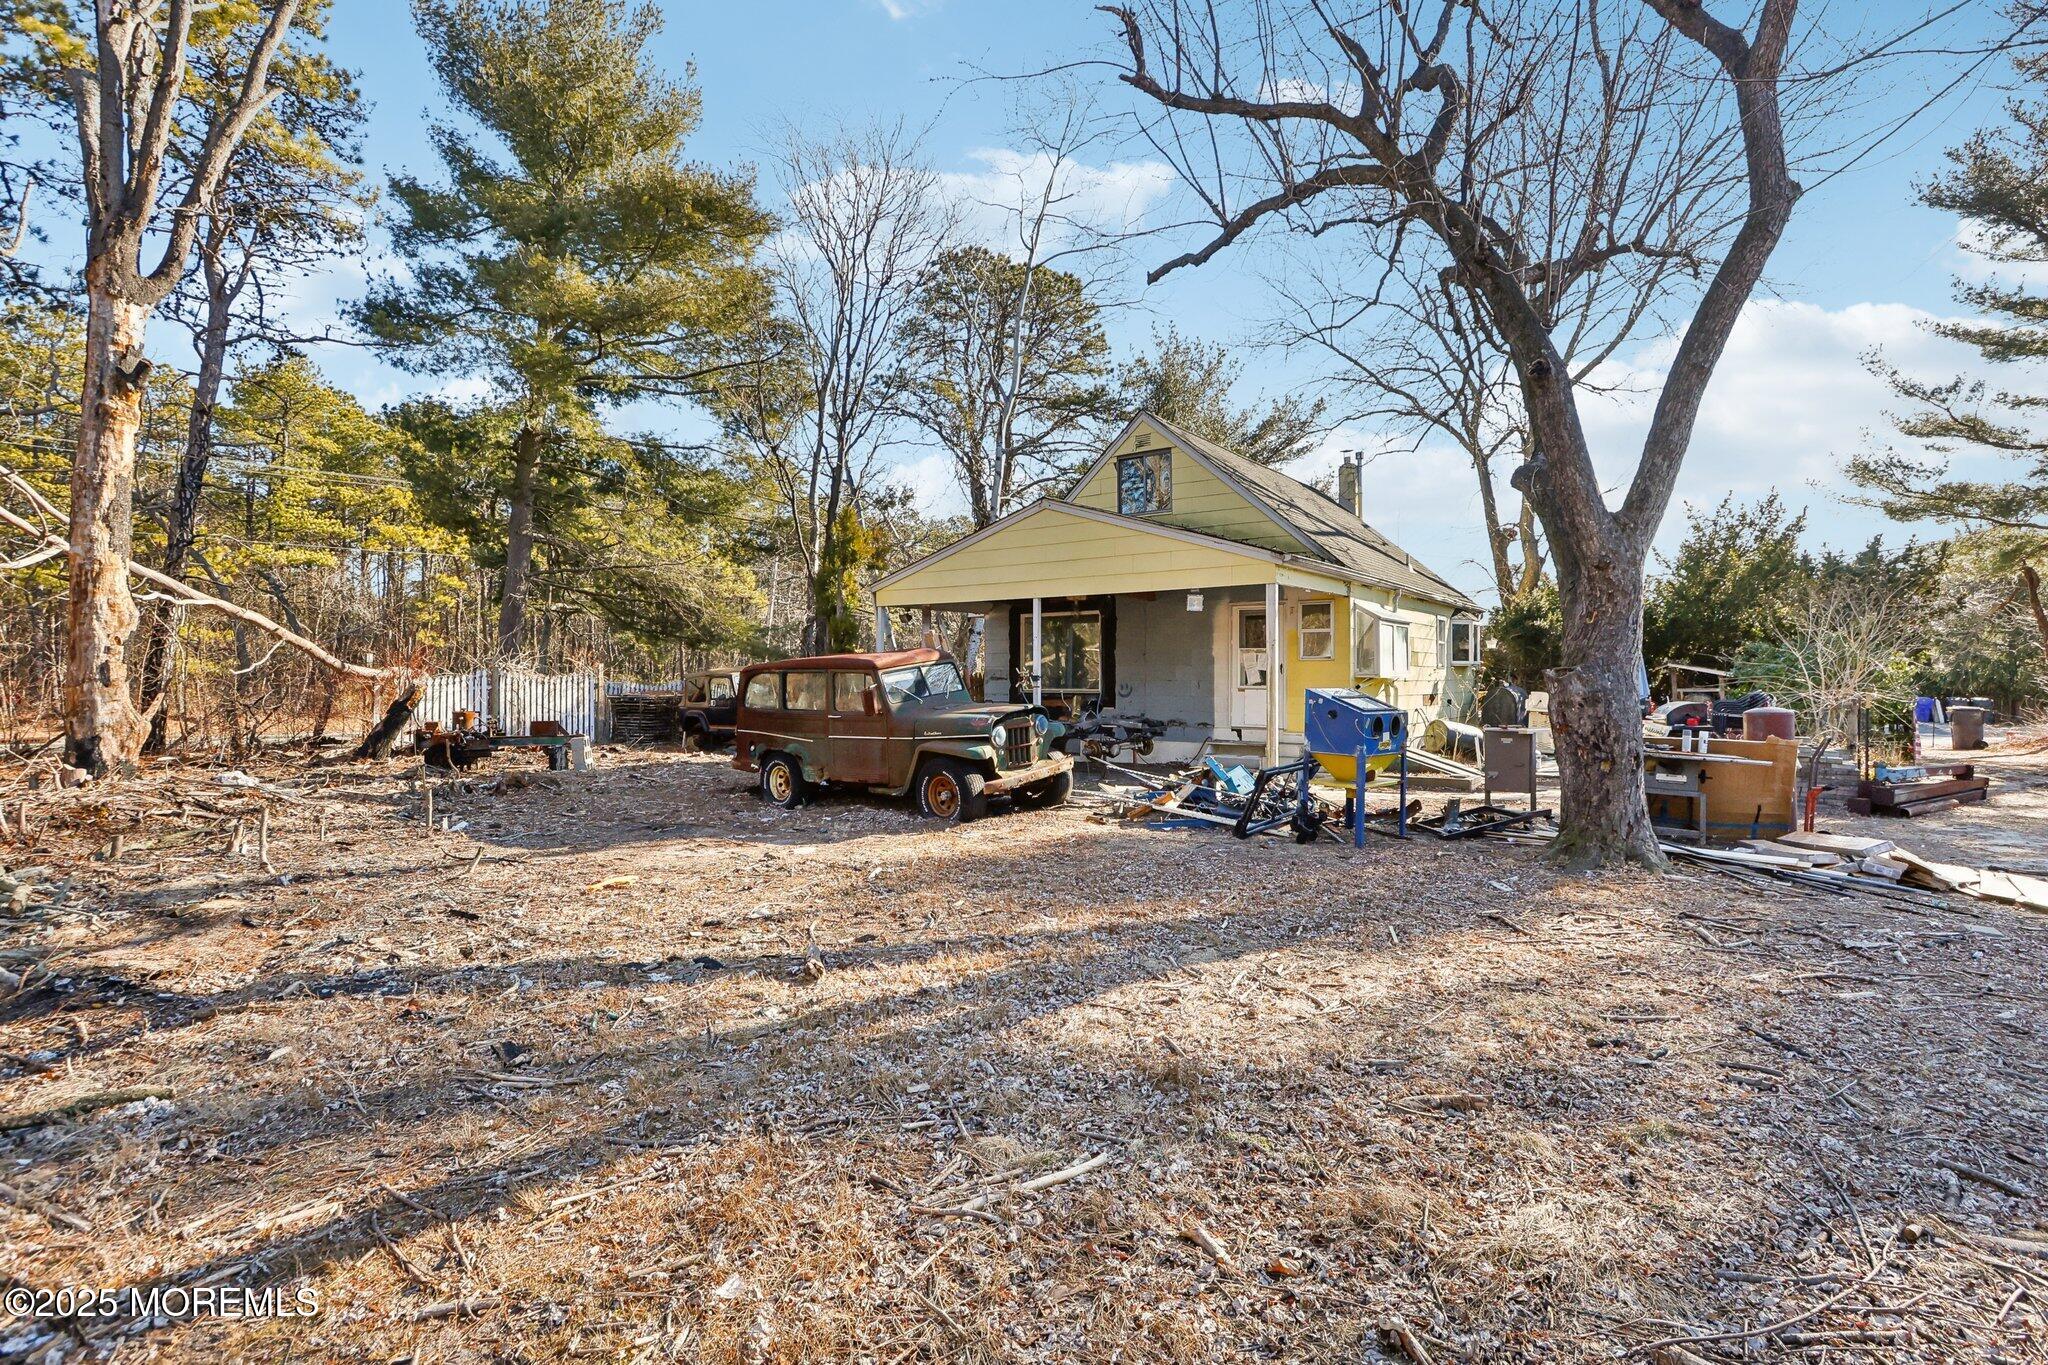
(1072, 644)
(1144, 483)
(1365, 643)
(1318, 630)
(1396, 652)
(1466, 642)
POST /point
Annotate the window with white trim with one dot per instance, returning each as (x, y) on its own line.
(1365, 642)
(1318, 630)
(1144, 483)
(1396, 651)
(1467, 640)
(1073, 651)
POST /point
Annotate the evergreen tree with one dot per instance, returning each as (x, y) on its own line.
(1998, 185)
(573, 258)
(1187, 382)
(1007, 369)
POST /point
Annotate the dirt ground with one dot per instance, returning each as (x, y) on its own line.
(628, 1066)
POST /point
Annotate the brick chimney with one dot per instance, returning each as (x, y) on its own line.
(1350, 487)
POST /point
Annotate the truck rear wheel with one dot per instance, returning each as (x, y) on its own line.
(949, 790)
(782, 781)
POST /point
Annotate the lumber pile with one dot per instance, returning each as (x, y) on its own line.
(1851, 864)
(1941, 789)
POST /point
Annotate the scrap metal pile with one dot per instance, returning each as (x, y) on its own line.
(1210, 795)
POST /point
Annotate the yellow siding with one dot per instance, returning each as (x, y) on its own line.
(1302, 674)
(1200, 500)
(1430, 688)
(1054, 553)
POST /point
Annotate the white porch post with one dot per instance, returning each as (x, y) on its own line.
(885, 637)
(1276, 674)
(1037, 651)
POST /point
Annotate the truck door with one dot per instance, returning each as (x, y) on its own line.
(860, 729)
(803, 716)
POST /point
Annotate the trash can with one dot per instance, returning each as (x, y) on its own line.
(1966, 727)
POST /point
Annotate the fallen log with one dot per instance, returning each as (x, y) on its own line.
(181, 592)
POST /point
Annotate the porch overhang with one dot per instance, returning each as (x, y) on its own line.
(1057, 549)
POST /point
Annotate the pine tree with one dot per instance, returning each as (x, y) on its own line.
(1998, 185)
(573, 257)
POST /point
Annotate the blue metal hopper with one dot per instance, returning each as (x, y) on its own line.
(1339, 722)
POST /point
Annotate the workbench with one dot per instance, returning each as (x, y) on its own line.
(1683, 776)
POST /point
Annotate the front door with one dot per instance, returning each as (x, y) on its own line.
(859, 729)
(1250, 659)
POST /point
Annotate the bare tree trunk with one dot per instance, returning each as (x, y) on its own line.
(1496, 535)
(102, 728)
(2032, 579)
(518, 540)
(377, 744)
(182, 526)
(1596, 716)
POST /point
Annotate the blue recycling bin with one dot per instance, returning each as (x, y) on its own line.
(1339, 722)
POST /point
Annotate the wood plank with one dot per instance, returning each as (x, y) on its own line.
(1844, 845)
(1816, 857)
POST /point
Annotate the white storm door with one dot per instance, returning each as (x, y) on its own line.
(1249, 666)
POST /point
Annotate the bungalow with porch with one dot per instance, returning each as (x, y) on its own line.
(1180, 581)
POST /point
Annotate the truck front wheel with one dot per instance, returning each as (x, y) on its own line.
(949, 790)
(1053, 791)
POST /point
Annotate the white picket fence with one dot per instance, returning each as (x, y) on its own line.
(641, 689)
(574, 700)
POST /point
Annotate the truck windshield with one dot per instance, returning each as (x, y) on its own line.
(924, 685)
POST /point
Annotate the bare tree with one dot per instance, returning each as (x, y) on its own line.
(288, 199)
(820, 407)
(126, 103)
(1523, 151)
(1007, 351)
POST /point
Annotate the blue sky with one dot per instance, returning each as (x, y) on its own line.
(1862, 267)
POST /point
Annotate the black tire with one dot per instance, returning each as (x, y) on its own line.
(1054, 791)
(693, 736)
(782, 782)
(949, 790)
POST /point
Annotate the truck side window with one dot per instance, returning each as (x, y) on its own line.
(693, 691)
(721, 690)
(850, 693)
(804, 692)
(764, 692)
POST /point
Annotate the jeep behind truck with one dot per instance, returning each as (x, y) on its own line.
(896, 723)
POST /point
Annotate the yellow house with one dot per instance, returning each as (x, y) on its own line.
(1163, 582)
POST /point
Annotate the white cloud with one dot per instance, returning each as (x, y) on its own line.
(1789, 402)
(931, 479)
(1968, 261)
(1111, 198)
(899, 10)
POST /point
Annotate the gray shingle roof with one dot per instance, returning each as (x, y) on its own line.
(1329, 529)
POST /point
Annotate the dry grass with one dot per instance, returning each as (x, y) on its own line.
(577, 1100)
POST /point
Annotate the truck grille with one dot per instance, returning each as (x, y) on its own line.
(1020, 743)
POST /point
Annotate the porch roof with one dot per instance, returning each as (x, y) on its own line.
(1060, 549)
